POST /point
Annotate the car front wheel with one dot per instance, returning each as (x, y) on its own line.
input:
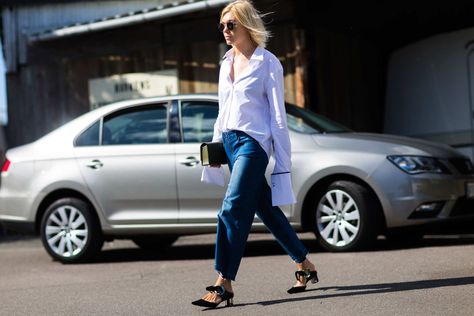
(69, 231)
(346, 217)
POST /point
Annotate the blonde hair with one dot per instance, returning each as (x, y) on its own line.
(247, 16)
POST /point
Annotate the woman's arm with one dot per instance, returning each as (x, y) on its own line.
(278, 124)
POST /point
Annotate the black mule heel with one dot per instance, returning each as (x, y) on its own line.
(313, 276)
(226, 296)
(307, 276)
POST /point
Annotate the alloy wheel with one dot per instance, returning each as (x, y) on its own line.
(66, 231)
(338, 218)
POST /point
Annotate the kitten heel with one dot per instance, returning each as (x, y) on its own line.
(304, 276)
(224, 295)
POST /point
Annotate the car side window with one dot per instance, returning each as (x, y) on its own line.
(89, 137)
(138, 125)
(197, 120)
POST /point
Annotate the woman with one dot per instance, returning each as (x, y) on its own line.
(251, 124)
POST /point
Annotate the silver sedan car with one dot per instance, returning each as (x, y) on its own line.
(132, 170)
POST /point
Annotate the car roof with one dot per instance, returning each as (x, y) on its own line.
(212, 96)
(148, 100)
(84, 120)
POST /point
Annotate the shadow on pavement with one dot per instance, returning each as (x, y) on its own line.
(422, 242)
(356, 290)
(267, 247)
(6, 237)
(191, 251)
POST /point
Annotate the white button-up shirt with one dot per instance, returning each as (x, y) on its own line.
(254, 103)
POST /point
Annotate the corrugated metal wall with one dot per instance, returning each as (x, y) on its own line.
(20, 21)
(36, 18)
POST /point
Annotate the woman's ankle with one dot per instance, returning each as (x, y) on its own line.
(305, 265)
(224, 282)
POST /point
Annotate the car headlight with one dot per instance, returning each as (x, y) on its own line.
(418, 164)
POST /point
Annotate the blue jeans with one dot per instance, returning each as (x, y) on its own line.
(248, 193)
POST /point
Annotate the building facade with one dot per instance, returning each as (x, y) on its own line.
(61, 56)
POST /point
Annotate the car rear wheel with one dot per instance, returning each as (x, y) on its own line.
(155, 242)
(346, 217)
(70, 231)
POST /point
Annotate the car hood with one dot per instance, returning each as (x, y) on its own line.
(385, 144)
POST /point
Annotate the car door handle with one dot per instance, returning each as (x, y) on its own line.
(95, 164)
(190, 161)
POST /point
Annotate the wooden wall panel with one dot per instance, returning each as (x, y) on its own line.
(199, 68)
(287, 43)
(53, 88)
(346, 80)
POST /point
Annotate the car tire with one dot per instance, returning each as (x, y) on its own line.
(70, 231)
(155, 242)
(346, 217)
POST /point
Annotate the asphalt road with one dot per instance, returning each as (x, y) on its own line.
(432, 277)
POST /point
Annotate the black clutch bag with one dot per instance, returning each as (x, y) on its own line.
(213, 154)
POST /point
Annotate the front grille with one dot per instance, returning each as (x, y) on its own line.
(462, 165)
(463, 207)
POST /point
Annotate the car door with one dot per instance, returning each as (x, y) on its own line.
(131, 169)
(198, 202)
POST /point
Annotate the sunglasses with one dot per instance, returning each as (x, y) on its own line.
(230, 26)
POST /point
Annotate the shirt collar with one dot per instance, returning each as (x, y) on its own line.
(229, 54)
(257, 54)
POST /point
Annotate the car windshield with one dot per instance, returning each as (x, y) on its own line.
(307, 122)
